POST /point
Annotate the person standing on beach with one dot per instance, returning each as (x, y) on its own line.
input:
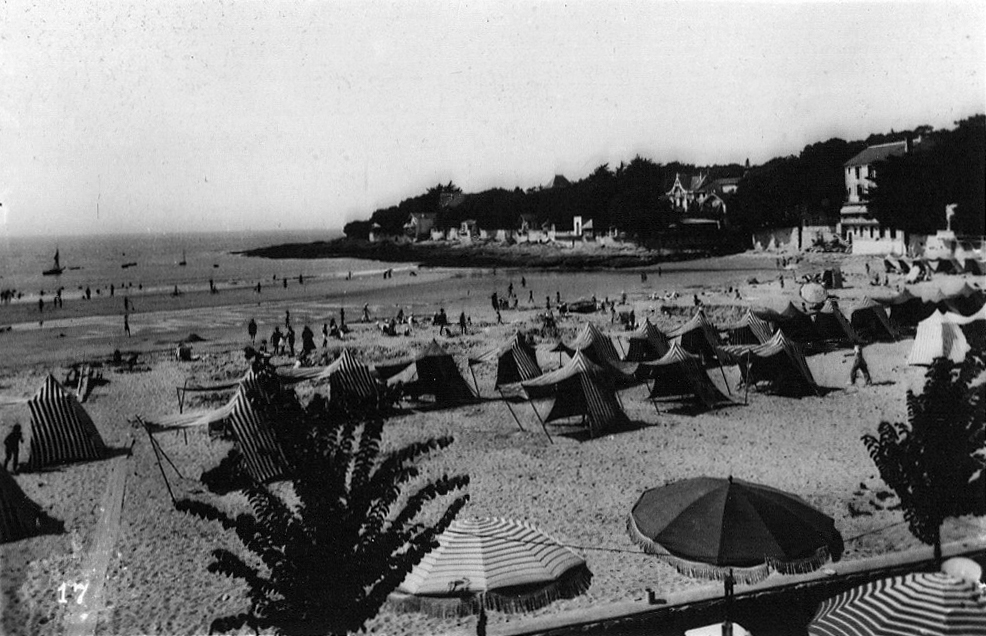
(859, 366)
(12, 444)
(342, 317)
(462, 323)
(530, 296)
(126, 324)
(252, 330)
(494, 301)
(275, 340)
(290, 337)
(325, 336)
(258, 287)
(287, 317)
(366, 312)
(523, 282)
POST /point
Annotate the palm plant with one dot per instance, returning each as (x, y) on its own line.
(936, 463)
(330, 559)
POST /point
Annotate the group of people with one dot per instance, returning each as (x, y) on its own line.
(282, 342)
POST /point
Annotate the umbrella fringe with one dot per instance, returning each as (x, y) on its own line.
(569, 585)
(743, 575)
(802, 566)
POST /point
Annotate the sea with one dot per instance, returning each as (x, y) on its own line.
(152, 262)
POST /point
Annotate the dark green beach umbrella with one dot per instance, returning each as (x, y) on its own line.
(726, 529)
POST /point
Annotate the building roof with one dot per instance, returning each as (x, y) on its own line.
(877, 153)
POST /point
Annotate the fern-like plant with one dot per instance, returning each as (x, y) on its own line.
(330, 559)
(936, 463)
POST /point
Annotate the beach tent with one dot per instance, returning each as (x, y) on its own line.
(830, 324)
(206, 417)
(832, 278)
(780, 364)
(60, 430)
(646, 343)
(515, 360)
(938, 336)
(870, 321)
(749, 330)
(679, 374)
(350, 379)
(431, 372)
(253, 435)
(580, 388)
(597, 347)
(21, 518)
(698, 336)
(906, 309)
(797, 325)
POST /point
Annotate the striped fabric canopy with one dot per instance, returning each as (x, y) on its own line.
(797, 325)
(498, 564)
(749, 330)
(698, 336)
(646, 343)
(680, 374)
(595, 343)
(832, 325)
(263, 458)
(870, 320)
(432, 372)
(515, 361)
(918, 604)
(580, 388)
(938, 336)
(19, 516)
(779, 362)
(61, 431)
(348, 377)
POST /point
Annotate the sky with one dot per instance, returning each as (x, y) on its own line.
(153, 116)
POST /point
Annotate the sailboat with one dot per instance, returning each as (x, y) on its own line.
(183, 262)
(56, 270)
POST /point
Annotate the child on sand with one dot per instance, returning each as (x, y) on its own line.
(858, 366)
(12, 445)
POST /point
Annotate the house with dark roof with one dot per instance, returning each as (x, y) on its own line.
(684, 190)
(419, 226)
(855, 222)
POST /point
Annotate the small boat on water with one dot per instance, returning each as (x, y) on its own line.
(182, 262)
(126, 265)
(56, 270)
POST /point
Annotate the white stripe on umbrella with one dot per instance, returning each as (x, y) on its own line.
(921, 604)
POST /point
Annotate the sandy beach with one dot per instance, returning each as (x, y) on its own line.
(577, 490)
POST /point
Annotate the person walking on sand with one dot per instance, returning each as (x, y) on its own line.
(275, 340)
(366, 312)
(252, 330)
(12, 444)
(462, 322)
(126, 324)
(859, 366)
(290, 336)
(342, 316)
(530, 296)
(325, 336)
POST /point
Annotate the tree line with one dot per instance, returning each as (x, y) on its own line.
(911, 192)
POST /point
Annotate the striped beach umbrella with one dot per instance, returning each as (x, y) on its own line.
(919, 603)
(497, 564)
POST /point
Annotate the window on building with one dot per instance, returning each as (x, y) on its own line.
(859, 191)
(857, 172)
(872, 171)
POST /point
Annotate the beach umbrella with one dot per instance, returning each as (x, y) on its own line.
(732, 530)
(491, 564)
(814, 293)
(920, 603)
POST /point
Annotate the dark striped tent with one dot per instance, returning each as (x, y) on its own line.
(780, 364)
(870, 321)
(594, 344)
(583, 389)
(679, 375)
(21, 518)
(907, 310)
(432, 372)
(350, 379)
(831, 325)
(646, 343)
(749, 330)
(698, 336)
(515, 360)
(797, 325)
(61, 431)
(263, 458)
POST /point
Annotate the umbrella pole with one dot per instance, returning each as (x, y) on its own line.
(728, 583)
(481, 621)
(511, 409)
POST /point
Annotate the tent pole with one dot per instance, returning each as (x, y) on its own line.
(510, 408)
(622, 350)
(543, 427)
(723, 372)
(158, 460)
(746, 383)
(475, 384)
(168, 459)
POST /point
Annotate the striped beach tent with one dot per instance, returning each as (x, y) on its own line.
(749, 330)
(580, 388)
(21, 518)
(779, 363)
(492, 564)
(206, 417)
(263, 458)
(679, 374)
(915, 604)
(515, 360)
(61, 431)
(939, 336)
(698, 336)
(597, 347)
(646, 343)
(350, 379)
(870, 321)
(832, 325)
(432, 372)
(797, 325)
